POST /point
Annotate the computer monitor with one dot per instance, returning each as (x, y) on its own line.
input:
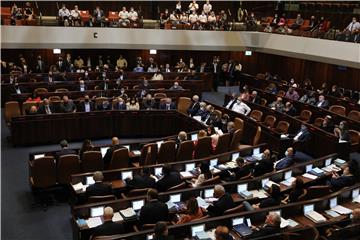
(197, 228)
(213, 162)
(333, 202)
(194, 137)
(90, 180)
(158, 171)
(137, 204)
(126, 174)
(39, 156)
(209, 193)
(237, 221)
(97, 211)
(103, 150)
(248, 222)
(328, 162)
(175, 198)
(288, 175)
(256, 151)
(308, 208)
(149, 237)
(355, 193)
(309, 167)
(189, 167)
(159, 144)
(127, 146)
(264, 181)
(242, 187)
(234, 156)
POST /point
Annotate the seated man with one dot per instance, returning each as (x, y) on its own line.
(167, 105)
(194, 20)
(353, 26)
(171, 178)
(176, 87)
(124, 17)
(120, 104)
(292, 94)
(98, 17)
(277, 105)
(87, 105)
(265, 165)
(286, 161)
(154, 210)
(143, 180)
(98, 188)
(299, 21)
(194, 107)
(64, 150)
(222, 233)
(115, 144)
(133, 15)
(290, 109)
(237, 173)
(182, 136)
(271, 226)
(46, 108)
(241, 107)
(64, 15)
(327, 124)
(223, 203)
(67, 105)
(148, 102)
(303, 136)
(105, 106)
(158, 75)
(322, 103)
(75, 16)
(348, 178)
(108, 227)
(274, 199)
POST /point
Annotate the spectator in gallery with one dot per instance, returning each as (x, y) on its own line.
(148, 102)
(133, 15)
(322, 103)
(67, 105)
(207, 7)
(157, 75)
(16, 14)
(121, 63)
(299, 21)
(63, 16)
(133, 104)
(124, 17)
(292, 94)
(75, 16)
(277, 105)
(138, 68)
(176, 87)
(193, 6)
(167, 105)
(28, 11)
(86, 146)
(290, 109)
(98, 17)
(87, 105)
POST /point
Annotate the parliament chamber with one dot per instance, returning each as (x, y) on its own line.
(219, 120)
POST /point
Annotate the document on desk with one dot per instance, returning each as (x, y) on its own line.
(331, 168)
(186, 174)
(128, 213)
(136, 152)
(310, 176)
(332, 213)
(117, 217)
(315, 217)
(94, 222)
(202, 203)
(259, 193)
(292, 223)
(170, 204)
(77, 187)
(357, 199)
(289, 181)
(341, 210)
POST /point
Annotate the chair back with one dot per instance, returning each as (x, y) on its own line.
(160, 95)
(177, 187)
(282, 127)
(317, 192)
(66, 166)
(305, 115)
(238, 123)
(183, 104)
(95, 199)
(223, 143)
(43, 172)
(113, 16)
(257, 115)
(167, 152)
(54, 98)
(137, 192)
(235, 141)
(354, 115)
(263, 102)
(61, 90)
(354, 137)
(12, 109)
(148, 154)
(281, 93)
(257, 136)
(26, 106)
(270, 121)
(236, 209)
(211, 181)
(185, 151)
(119, 159)
(341, 110)
(203, 147)
(37, 91)
(318, 121)
(92, 161)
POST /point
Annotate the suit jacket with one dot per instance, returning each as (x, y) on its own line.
(42, 110)
(99, 189)
(69, 107)
(224, 203)
(256, 100)
(324, 104)
(119, 106)
(163, 106)
(304, 137)
(342, 181)
(40, 67)
(109, 228)
(141, 181)
(265, 230)
(241, 172)
(82, 106)
(284, 163)
(154, 211)
(149, 104)
(64, 151)
(168, 181)
(270, 201)
(109, 153)
(193, 108)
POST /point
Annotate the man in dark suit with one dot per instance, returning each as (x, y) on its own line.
(265, 165)
(108, 227)
(98, 188)
(46, 108)
(105, 106)
(18, 89)
(115, 144)
(167, 105)
(346, 179)
(64, 150)
(271, 226)
(170, 178)
(154, 210)
(40, 65)
(234, 174)
(322, 103)
(194, 107)
(144, 180)
(98, 17)
(254, 98)
(302, 138)
(286, 161)
(120, 104)
(223, 203)
(61, 65)
(87, 105)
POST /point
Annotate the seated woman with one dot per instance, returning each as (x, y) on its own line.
(342, 132)
(86, 146)
(214, 136)
(205, 174)
(132, 105)
(193, 212)
(296, 192)
(349, 177)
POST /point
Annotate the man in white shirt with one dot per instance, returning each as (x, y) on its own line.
(202, 20)
(124, 17)
(353, 26)
(207, 7)
(212, 20)
(193, 17)
(241, 107)
(75, 16)
(64, 15)
(167, 68)
(133, 15)
(173, 19)
(193, 6)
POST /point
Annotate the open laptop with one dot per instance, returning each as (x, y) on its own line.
(309, 167)
(242, 190)
(137, 205)
(39, 156)
(158, 172)
(103, 151)
(198, 232)
(213, 163)
(355, 193)
(127, 147)
(175, 201)
(90, 180)
(194, 137)
(257, 154)
(234, 156)
(126, 174)
(242, 227)
(328, 162)
(97, 211)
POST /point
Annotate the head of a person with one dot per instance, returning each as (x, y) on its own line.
(219, 191)
(321, 98)
(203, 105)
(108, 213)
(182, 136)
(168, 100)
(86, 98)
(98, 176)
(298, 183)
(289, 152)
(115, 141)
(299, 15)
(201, 134)
(146, 171)
(81, 82)
(240, 161)
(152, 194)
(239, 100)
(279, 100)
(86, 144)
(254, 93)
(222, 233)
(303, 127)
(230, 126)
(76, 7)
(288, 105)
(161, 229)
(65, 99)
(148, 96)
(273, 219)
(210, 108)
(176, 84)
(354, 19)
(166, 170)
(33, 109)
(312, 17)
(266, 154)
(124, 8)
(195, 98)
(64, 144)
(192, 206)
(46, 102)
(343, 126)
(274, 190)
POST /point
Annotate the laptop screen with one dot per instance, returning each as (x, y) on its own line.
(189, 167)
(194, 137)
(39, 156)
(234, 156)
(158, 170)
(97, 211)
(308, 208)
(309, 167)
(103, 150)
(176, 198)
(149, 237)
(237, 221)
(127, 146)
(355, 193)
(248, 222)
(137, 205)
(209, 193)
(126, 174)
(159, 144)
(242, 187)
(287, 175)
(264, 181)
(196, 229)
(333, 202)
(328, 162)
(256, 151)
(90, 180)
(213, 162)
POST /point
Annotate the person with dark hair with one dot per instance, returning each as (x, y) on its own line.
(265, 165)
(349, 177)
(170, 178)
(64, 149)
(274, 199)
(193, 212)
(154, 210)
(297, 191)
(240, 171)
(222, 233)
(205, 174)
(342, 132)
(86, 146)
(143, 180)
(327, 124)
(161, 231)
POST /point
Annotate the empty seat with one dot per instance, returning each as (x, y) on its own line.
(151, 150)
(235, 141)
(66, 166)
(119, 159)
(270, 121)
(305, 116)
(160, 95)
(318, 121)
(341, 110)
(12, 109)
(316, 192)
(37, 91)
(54, 98)
(61, 90)
(113, 16)
(239, 123)
(354, 137)
(185, 151)
(202, 148)
(26, 106)
(92, 161)
(42, 172)
(95, 199)
(256, 139)
(135, 193)
(257, 115)
(183, 104)
(282, 127)
(167, 152)
(223, 143)
(354, 115)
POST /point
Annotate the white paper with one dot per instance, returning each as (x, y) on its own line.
(292, 223)
(129, 212)
(186, 174)
(170, 204)
(78, 186)
(94, 222)
(341, 210)
(289, 181)
(310, 176)
(315, 216)
(136, 152)
(357, 199)
(259, 193)
(332, 213)
(117, 217)
(202, 203)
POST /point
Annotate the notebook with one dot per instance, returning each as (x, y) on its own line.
(78, 187)
(243, 228)
(93, 222)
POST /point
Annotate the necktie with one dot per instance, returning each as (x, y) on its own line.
(232, 104)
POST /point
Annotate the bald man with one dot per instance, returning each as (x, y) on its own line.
(98, 188)
(194, 107)
(286, 161)
(115, 144)
(108, 227)
(223, 203)
(271, 226)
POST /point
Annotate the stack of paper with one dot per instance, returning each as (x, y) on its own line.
(317, 171)
(315, 217)
(128, 213)
(357, 199)
(202, 203)
(289, 181)
(186, 174)
(259, 193)
(77, 187)
(332, 213)
(310, 176)
(284, 223)
(222, 167)
(117, 217)
(94, 222)
(292, 223)
(231, 164)
(341, 210)
(331, 168)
